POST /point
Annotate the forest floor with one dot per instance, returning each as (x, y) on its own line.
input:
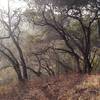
(63, 87)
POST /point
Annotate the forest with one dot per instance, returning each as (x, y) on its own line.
(50, 50)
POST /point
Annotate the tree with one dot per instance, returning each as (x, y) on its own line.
(56, 14)
(10, 21)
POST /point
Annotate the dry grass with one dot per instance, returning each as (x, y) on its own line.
(64, 87)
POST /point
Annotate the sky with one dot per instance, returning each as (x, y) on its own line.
(13, 3)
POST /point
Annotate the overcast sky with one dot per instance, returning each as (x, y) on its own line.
(13, 4)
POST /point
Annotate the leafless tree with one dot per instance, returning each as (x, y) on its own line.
(10, 21)
(78, 43)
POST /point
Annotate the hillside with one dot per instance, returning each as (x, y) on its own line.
(64, 87)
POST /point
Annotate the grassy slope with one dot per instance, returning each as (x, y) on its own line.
(7, 76)
(64, 87)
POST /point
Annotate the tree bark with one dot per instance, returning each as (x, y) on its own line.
(25, 76)
(78, 65)
(87, 65)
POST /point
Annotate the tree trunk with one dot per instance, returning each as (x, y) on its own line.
(18, 72)
(87, 65)
(78, 65)
(99, 28)
(20, 78)
(25, 76)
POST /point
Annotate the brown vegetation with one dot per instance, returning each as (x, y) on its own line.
(63, 87)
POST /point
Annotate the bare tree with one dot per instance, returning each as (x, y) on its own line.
(10, 21)
(56, 16)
